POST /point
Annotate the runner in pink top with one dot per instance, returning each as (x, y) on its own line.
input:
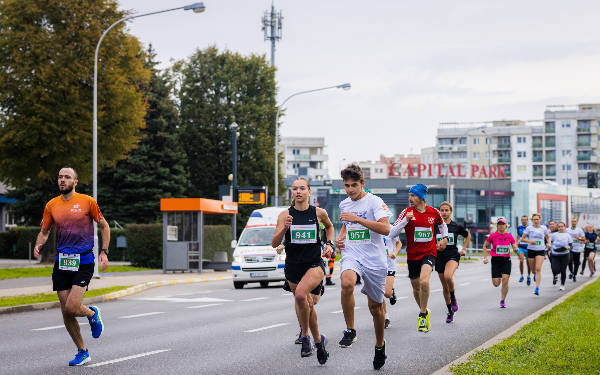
(501, 243)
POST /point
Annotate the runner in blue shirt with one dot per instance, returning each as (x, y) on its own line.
(523, 249)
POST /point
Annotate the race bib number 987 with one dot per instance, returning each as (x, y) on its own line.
(423, 234)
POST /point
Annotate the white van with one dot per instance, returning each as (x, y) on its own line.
(254, 260)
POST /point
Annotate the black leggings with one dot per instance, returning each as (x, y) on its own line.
(559, 265)
(574, 262)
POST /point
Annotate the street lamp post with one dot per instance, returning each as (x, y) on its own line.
(234, 135)
(196, 8)
(489, 193)
(345, 86)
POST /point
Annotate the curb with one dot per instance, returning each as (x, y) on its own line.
(110, 296)
(511, 330)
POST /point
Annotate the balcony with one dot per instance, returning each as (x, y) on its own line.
(538, 173)
(584, 129)
(303, 157)
(584, 157)
(550, 159)
(503, 146)
(537, 145)
(550, 128)
(551, 173)
(537, 159)
(317, 157)
(550, 143)
(504, 159)
(587, 143)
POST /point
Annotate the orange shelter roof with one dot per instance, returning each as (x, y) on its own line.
(208, 206)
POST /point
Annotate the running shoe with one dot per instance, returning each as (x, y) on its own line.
(581, 273)
(348, 339)
(570, 275)
(96, 322)
(322, 353)
(393, 297)
(380, 357)
(328, 281)
(453, 304)
(299, 338)
(536, 291)
(82, 356)
(528, 280)
(592, 274)
(502, 304)
(574, 278)
(307, 349)
(521, 279)
(555, 280)
(450, 317)
(562, 287)
(423, 322)
(387, 323)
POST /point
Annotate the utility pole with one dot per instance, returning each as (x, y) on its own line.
(271, 25)
(234, 135)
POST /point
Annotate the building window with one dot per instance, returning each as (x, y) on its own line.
(566, 181)
(488, 140)
(521, 154)
(565, 124)
(566, 152)
(521, 140)
(476, 155)
(566, 167)
(521, 168)
(476, 140)
(462, 141)
(487, 155)
(446, 141)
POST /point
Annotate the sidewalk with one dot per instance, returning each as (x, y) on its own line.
(28, 286)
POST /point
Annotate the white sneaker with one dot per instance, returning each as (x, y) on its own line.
(562, 287)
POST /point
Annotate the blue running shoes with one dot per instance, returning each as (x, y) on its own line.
(96, 322)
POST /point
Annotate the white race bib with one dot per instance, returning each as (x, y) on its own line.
(423, 234)
(302, 234)
(357, 234)
(68, 262)
(450, 238)
(502, 250)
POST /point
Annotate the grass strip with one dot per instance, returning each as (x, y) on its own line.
(563, 340)
(50, 297)
(17, 273)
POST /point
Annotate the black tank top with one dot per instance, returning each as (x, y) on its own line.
(302, 239)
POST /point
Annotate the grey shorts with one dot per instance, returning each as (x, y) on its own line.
(373, 281)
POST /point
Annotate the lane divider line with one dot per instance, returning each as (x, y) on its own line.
(202, 306)
(56, 327)
(254, 299)
(267, 327)
(141, 315)
(128, 358)
(341, 311)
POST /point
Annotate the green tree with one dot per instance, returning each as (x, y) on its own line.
(217, 89)
(131, 191)
(46, 80)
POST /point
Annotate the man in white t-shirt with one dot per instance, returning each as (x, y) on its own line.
(366, 221)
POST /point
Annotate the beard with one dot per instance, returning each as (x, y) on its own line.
(65, 190)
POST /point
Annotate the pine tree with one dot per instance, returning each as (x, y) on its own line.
(155, 169)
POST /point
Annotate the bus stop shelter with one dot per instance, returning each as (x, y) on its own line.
(183, 224)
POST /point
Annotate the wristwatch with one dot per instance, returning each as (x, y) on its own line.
(105, 251)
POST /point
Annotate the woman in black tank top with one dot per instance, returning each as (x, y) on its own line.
(304, 268)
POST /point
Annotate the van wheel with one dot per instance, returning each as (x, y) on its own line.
(264, 284)
(238, 284)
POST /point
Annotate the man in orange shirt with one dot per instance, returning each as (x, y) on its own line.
(72, 214)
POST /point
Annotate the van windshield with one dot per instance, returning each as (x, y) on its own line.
(257, 236)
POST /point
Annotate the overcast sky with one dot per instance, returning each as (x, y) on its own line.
(412, 64)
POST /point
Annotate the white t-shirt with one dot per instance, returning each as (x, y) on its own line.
(390, 247)
(536, 234)
(560, 240)
(362, 244)
(576, 243)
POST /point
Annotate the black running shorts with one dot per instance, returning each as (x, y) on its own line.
(295, 271)
(535, 253)
(500, 266)
(440, 262)
(63, 280)
(414, 266)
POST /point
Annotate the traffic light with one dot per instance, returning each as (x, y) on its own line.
(592, 179)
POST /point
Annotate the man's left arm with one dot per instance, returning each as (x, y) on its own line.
(102, 256)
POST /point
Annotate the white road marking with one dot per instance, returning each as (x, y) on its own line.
(128, 358)
(465, 284)
(183, 300)
(401, 297)
(201, 306)
(191, 294)
(486, 279)
(436, 290)
(267, 327)
(140, 315)
(341, 311)
(56, 327)
(254, 299)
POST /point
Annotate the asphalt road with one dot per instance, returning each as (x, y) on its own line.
(211, 328)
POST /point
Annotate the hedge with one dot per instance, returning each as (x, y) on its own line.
(144, 243)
